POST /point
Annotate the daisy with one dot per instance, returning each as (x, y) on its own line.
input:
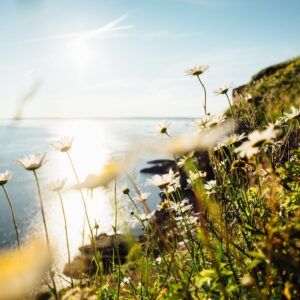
(196, 71)
(125, 189)
(293, 114)
(162, 181)
(163, 128)
(56, 185)
(255, 140)
(194, 176)
(142, 197)
(231, 140)
(209, 121)
(110, 171)
(186, 159)
(223, 90)
(210, 187)
(63, 144)
(5, 177)
(216, 120)
(31, 162)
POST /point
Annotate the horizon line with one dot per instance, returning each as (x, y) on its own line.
(95, 118)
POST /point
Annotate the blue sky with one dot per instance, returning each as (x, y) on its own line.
(128, 57)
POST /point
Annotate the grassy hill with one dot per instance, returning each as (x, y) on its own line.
(274, 89)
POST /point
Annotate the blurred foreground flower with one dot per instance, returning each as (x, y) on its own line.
(21, 271)
(205, 138)
(63, 144)
(256, 139)
(111, 170)
(31, 162)
(209, 121)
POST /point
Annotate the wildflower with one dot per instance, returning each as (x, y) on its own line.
(158, 260)
(125, 189)
(248, 98)
(210, 187)
(142, 197)
(255, 140)
(239, 164)
(56, 185)
(182, 206)
(174, 184)
(210, 121)
(247, 281)
(164, 205)
(22, 269)
(5, 177)
(293, 115)
(32, 162)
(203, 139)
(126, 280)
(186, 159)
(182, 245)
(161, 181)
(110, 171)
(194, 176)
(223, 90)
(230, 140)
(63, 144)
(163, 128)
(146, 217)
(196, 71)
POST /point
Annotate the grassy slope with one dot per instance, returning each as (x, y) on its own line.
(275, 89)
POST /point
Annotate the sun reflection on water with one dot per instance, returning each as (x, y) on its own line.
(89, 152)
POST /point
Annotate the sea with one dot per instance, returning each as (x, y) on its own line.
(95, 142)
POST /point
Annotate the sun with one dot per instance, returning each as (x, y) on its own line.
(81, 54)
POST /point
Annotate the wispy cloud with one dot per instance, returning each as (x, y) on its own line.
(79, 37)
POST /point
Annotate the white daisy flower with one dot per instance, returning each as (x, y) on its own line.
(31, 162)
(196, 71)
(5, 177)
(56, 185)
(63, 144)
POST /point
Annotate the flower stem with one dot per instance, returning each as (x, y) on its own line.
(13, 215)
(116, 241)
(205, 112)
(83, 202)
(42, 208)
(45, 227)
(67, 236)
(229, 103)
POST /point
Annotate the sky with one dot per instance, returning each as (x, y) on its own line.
(127, 58)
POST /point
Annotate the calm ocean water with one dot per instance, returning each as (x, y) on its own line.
(95, 142)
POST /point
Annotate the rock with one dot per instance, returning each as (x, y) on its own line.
(160, 166)
(84, 264)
